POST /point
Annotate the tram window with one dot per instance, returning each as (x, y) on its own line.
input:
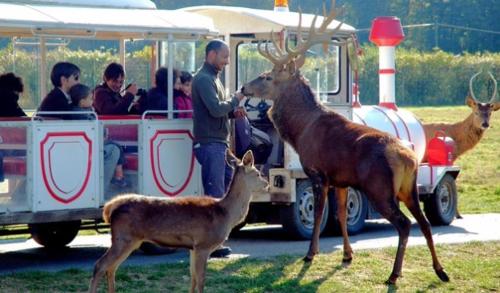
(91, 56)
(322, 70)
(138, 63)
(188, 55)
(21, 57)
(250, 63)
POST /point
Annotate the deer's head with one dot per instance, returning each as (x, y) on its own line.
(287, 61)
(245, 171)
(482, 111)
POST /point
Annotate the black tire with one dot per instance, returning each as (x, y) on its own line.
(441, 207)
(153, 249)
(54, 235)
(357, 211)
(298, 218)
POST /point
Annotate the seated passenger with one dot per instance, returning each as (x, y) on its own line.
(107, 96)
(10, 88)
(63, 76)
(183, 101)
(81, 100)
(157, 98)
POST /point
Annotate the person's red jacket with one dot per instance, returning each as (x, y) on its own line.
(183, 102)
(108, 102)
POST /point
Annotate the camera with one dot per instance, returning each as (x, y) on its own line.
(142, 92)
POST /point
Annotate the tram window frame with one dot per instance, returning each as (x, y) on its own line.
(322, 93)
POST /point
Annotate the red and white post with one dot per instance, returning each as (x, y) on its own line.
(387, 33)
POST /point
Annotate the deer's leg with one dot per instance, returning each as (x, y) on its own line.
(320, 190)
(341, 198)
(413, 206)
(385, 204)
(120, 249)
(198, 266)
(192, 270)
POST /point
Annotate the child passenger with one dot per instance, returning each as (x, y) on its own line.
(182, 100)
(81, 100)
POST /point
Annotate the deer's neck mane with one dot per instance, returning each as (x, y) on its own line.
(236, 201)
(294, 108)
(466, 135)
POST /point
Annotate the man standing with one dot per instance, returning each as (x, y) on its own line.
(211, 113)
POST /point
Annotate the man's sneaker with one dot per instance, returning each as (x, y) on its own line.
(222, 251)
(122, 183)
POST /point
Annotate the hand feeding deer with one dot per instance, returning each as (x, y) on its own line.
(199, 223)
(468, 132)
(336, 152)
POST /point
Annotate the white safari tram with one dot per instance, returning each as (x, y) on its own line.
(54, 172)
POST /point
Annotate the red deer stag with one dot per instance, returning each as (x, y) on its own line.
(468, 132)
(200, 224)
(336, 152)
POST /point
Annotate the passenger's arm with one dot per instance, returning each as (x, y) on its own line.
(105, 104)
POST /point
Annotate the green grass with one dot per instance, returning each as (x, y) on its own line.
(479, 180)
(472, 267)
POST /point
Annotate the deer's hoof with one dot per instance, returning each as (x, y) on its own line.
(346, 261)
(442, 275)
(308, 258)
(392, 279)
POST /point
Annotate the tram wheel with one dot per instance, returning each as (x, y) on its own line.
(56, 234)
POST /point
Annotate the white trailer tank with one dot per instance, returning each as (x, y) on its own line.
(400, 123)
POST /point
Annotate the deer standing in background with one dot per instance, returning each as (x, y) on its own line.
(468, 132)
(336, 152)
(198, 223)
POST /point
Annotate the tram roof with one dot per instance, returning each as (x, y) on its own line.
(259, 21)
(101, 23)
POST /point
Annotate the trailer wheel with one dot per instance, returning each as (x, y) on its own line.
(153, 249)
(298, 218)
(56, 234)
(357, 211)
(441, 207)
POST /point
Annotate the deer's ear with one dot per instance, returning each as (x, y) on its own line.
(496, 106)
(248, 159)
(470, 102)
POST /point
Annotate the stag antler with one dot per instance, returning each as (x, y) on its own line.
(494, 83)
(314, 37)
(495, 87)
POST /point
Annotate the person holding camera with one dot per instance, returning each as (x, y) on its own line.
(108, 99)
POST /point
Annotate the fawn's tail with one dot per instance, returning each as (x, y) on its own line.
(113, 204)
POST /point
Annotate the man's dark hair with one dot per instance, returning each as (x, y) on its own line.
(161, 79)
(61, 69)
(9, 82)
(214, 45)
(113, 71)
(78, 92)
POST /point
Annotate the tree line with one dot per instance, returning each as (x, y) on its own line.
(450, 25)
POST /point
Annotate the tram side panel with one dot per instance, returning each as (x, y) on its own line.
(65, 165)
(168, 166)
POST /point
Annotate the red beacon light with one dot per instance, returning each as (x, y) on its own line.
(281, 5)
(386, 31)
